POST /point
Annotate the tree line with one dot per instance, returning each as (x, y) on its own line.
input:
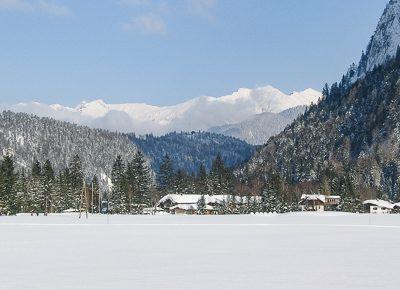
(131, 187)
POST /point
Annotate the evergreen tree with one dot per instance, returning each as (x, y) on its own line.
(143, 180)
(8, 194)
(76, 179)
(166, 175)
(202, 181)
(95, 187)
(49, 183)
(201, 205)
(118, 193)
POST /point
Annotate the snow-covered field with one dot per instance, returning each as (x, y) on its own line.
(291, 251)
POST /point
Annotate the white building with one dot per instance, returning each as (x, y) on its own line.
(318, 202)
(378, 206)
(187, 203)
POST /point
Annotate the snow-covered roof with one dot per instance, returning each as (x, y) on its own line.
(333, 196)
(379, 202)
(320, 197)
(190, 207)
(181, 198)
(313, 197)
(396, 204)
(209, 199)
(70, 210)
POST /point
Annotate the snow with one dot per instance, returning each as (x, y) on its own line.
(384, 42)
(188, 199)
(380, 203)
(314, 197)
(386, 39)
(196, 114)
(345, 251)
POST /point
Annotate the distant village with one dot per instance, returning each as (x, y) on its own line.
(212, 204)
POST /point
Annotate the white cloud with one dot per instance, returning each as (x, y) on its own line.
(16, 5)
(202, 8)
(43, 6)
(53, 8)
(147, 24)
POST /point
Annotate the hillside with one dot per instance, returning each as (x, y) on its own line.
(259, 128)
(348, 143)
(28, 137)
(189, 150)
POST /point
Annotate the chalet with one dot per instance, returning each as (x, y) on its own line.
(377, 206)
(318, 202)
(187, 203)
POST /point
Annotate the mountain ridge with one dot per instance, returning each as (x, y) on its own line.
(196, 114)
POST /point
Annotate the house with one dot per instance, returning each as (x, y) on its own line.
(152, 210)
(378, 206)
(318, 202)
(187, 203)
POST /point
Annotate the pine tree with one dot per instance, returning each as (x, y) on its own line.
(143, 180)
(8, 194)
(201, 205)
(76, 179)
(202, 184)
(49, 183)
(36, 189)
(95, 187)
(118, 193)
(217, 174)
(166, 175)
(272, 196)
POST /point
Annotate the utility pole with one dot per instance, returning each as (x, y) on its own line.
(98, 192)
(92, 197)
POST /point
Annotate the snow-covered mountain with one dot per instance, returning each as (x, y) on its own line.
(383, 44)
(259, 128)
(196, 114)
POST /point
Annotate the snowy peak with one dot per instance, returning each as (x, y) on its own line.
(383, 44)
(196, 114)
(95, 108)
(386, 39)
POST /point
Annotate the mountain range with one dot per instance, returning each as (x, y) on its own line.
(196, 114)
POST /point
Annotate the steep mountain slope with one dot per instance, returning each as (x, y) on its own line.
(28, 137)
(259, 128)
(189, 150)
(353, 132)
(383, 44)
(196, 114)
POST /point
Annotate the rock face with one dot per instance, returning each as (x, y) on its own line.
(383, 44)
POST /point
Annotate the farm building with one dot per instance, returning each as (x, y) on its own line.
(318, 202)
(377, 206)
(188, 203)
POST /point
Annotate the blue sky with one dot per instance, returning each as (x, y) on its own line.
(165, 52)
